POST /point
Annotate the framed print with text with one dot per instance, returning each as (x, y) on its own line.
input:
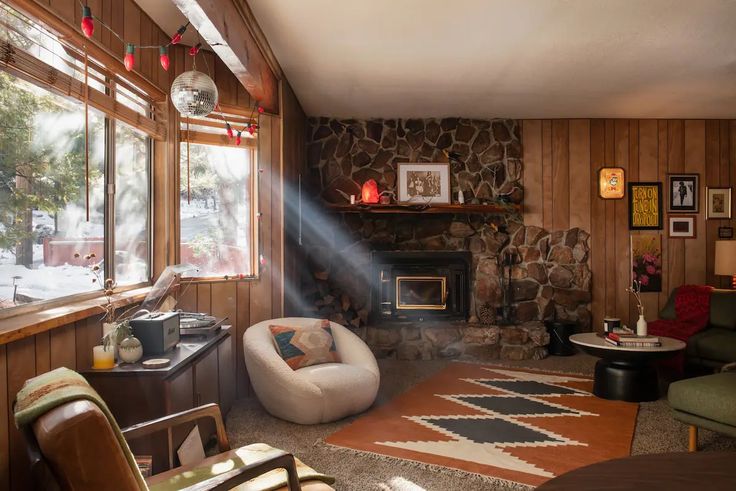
(645, 206)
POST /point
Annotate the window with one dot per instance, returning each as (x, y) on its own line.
(217, 210)
(57, 158)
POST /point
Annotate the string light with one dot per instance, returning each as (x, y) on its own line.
(229, 130)
(129, 60)
(88, 24)
(163, 56)
(176, 38)
(238, 140)
(194, 50)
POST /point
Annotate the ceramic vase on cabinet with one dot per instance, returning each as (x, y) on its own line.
(130, 350)
(107, 328)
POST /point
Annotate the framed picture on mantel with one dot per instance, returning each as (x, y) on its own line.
(425, 183)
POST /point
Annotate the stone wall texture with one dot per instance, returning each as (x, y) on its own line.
(551, 281)
(344, 153)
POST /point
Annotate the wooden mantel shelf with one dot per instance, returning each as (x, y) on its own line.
(493, 209)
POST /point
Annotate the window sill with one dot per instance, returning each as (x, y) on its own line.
(25, 325)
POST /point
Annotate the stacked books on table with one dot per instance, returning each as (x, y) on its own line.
(632, 340)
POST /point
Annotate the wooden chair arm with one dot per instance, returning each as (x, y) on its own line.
(229, 480)
(166, 422)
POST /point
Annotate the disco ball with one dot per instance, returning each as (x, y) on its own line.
(194, 94)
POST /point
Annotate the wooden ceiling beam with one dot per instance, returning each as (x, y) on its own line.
(223, 25)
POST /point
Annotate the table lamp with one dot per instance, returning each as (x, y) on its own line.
(725, 263)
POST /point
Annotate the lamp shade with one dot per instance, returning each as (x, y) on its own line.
(725, 263)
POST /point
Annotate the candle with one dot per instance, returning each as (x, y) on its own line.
(352, 199)
(103, 358)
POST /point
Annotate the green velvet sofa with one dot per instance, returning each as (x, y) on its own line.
(715, 345)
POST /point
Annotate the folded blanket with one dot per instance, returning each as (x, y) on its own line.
(52, 389)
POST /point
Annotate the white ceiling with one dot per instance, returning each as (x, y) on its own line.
(513, 58)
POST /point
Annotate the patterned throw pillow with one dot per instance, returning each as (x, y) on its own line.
(304, 346)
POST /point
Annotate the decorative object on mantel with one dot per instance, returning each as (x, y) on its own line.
(460, 197)
(646, 262)
(641, 324)
(719, 203)
(423, 183)
(156, 363)
(611, 182)
(369, 192)
(645, 206)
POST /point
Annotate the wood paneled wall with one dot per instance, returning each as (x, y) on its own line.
(561, 163)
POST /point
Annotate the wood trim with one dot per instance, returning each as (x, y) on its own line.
(223, 27)
(261, 41)
(215, 139)
(23, 326)
(692, 445)
(70, 34)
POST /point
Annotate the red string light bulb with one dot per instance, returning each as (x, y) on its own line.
(229, 130)
(88, 24)
(129, 59)
(238, 139)
(194, 50)
(176, 38)
(252, 129)
(163, 56)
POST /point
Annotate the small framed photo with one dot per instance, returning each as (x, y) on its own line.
(645, 206)
(426, 183)
(682, 226)
(725, 232)
(683, 193)
(719, 202)
(611, 183)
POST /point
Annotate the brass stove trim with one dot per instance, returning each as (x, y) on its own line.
(442, 279)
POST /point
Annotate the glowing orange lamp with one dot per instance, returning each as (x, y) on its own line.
(370, 191)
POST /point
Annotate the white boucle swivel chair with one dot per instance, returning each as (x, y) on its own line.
(313, 394)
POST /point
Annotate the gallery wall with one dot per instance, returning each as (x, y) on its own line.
(561, 163)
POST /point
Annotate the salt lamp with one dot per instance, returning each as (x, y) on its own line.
(370, 191)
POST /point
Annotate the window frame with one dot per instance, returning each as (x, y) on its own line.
(214, 140)
(152, 97)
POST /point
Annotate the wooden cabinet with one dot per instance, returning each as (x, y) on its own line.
(201, 371)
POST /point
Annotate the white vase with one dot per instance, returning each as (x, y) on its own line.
(461, 197)
(641, 326)
(106, 328)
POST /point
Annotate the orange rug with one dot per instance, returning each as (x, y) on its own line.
(519, 425)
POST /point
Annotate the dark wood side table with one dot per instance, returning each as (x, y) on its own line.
(202, 370)
(626, 373)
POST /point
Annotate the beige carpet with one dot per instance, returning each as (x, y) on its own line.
(656, 432)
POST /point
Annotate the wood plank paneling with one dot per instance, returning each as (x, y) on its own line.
(21, 359)
(533, 178)
(4, 422)
(648, 150)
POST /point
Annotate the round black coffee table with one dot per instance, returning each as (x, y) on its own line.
(626, 374)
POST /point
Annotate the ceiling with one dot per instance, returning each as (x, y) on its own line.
(513, 58)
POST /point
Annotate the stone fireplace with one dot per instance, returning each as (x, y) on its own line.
(549, 280)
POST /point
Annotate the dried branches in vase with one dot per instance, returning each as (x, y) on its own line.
(641, 324)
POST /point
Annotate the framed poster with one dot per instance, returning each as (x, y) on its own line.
(683, 193)
(646, 261)
(682, 226)
(611, 183)
(423, 183)
(725, 232)
(645, 206)
(719, 202)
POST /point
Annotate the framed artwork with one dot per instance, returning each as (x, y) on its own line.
(423, 183)
(645, 206)
(683, 193)
(725, 232)
(646, 261)
(719, 202)
(682, 226)
(611, 183)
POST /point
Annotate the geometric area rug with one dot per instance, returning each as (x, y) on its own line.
(518, 425)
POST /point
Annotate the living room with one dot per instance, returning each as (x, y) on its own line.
(389, 245)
